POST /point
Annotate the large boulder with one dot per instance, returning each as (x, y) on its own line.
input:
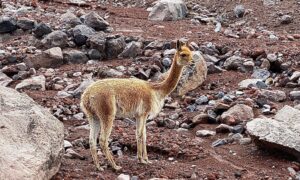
(55, 39)
(70, 19)
(7, 24)
(95, 21)
(168, 10)
(281, 132)
(115, 46)
(81, 33)
(237, 114)
(98, 42)
(193, 75)
(50, 58)
(31, 143)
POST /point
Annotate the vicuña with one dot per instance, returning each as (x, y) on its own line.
(106, 99)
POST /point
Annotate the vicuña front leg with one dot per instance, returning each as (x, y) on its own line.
(141, 140)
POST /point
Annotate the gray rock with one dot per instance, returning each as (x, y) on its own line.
(95, 54)
(26, 24)
(41, 29)
(81, 33)
(274, 95)
(261, 74)
(114, 47)
(224, 128)
(295, 76)
(4, 79)
(113, 73)
(169, 123)
(239, 11)
(233, 63)
(209, 58)
(205, 133)
(55, 53)
(245, 141)
(202, 100)
(55, 39)
(75, 57)
(77, 92)
(95, 21)
(31, 143)
(168, 10)
(237, 114)
(37, 82)
(63, 94)
(248, 82)
(219, 142)
(132, 50)
(166, 62)
(70, 153)
(282, 132)
(286, 19)
(70, 19)
(295, 95)
(97, 41)
(7, 24)
(212, 69)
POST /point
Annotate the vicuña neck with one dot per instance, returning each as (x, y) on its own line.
(169, 84)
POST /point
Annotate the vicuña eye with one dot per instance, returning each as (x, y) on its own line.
(183, 55)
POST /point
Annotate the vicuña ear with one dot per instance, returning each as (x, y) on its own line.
(178, 45)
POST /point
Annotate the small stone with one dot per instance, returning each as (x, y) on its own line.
(238, 129)
(174, 116)
(219, 142)
(239, 11)
(224, 128)
(272, 57)
(205, 133)
(248, 82)
(295, 76)
(55, 39)
(286, 19)
(261, 74)
(166, 62)
(236, 136)
(245, 141)
(70, 153)
(63, 94)
(295, 95)
(79, 116)
(169, 123)
(202, 100)
(55, 53)
(67, 144)
(123, 177)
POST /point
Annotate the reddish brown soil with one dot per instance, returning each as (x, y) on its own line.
(225, 162)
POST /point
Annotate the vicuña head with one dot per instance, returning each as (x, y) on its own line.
(106, 99)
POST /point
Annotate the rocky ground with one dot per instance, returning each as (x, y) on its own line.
(251, 49)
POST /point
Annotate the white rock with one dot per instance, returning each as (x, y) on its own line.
(55, 52)
(168, 10)
(67, 144)
(4, 79)
(123, 177)
(37, 82)
(31, 143)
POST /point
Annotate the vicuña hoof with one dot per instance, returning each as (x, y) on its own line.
(117, 168)
(145, 161)
(99, 168)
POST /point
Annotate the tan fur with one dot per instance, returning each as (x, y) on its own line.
(106, 99)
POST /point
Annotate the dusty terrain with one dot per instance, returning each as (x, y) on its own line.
(178, 155)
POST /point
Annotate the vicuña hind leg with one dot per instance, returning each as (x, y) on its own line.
(94, 133)
(106, 128)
